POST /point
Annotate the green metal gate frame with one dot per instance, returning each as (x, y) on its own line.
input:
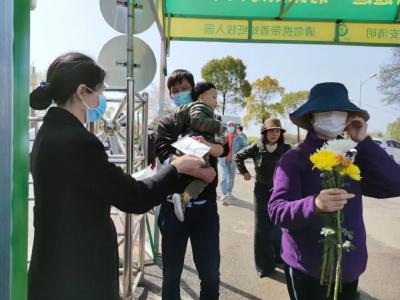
(14, 78)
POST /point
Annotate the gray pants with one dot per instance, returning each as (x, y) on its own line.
(197, 186)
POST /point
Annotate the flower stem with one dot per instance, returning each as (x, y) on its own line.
(324, 261)
(339, 253)
(331, 269)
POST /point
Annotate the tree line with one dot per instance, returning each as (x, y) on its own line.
(261, 99)
(265, 96)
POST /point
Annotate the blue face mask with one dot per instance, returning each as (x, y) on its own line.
(95, 114)
(182, 98)
(231, 129)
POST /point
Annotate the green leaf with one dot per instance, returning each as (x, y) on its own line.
(262, 103)
(347, 233)
(348, 246)
(389, 79)
(292, 101)
(228, 74)
(327, 231)
(393, 129)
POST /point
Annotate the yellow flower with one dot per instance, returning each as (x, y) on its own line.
(343, 161)
(352, 171)
(324, 160)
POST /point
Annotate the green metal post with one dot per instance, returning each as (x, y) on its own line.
(156, 233)
(153, 252)
(19, 238)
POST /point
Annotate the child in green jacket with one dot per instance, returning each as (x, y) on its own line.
(197, 119)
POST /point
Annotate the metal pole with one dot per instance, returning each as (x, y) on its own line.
(142, 236)
(363, 82)
(163, 69)
(163, 66)
(142, 239)
(6, 150)
(154, 11)
(130, 155)
(145, 118)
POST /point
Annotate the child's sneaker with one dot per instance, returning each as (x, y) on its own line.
(225, 200)
(179, 207)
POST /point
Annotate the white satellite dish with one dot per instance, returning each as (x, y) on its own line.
(113, 59)
(115, 12)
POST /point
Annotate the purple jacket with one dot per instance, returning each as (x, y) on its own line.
(292, 205)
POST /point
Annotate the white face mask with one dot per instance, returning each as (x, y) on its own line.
(330, 124)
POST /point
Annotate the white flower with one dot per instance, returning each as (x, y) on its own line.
(340, 147)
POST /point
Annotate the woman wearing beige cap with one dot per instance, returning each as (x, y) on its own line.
(265, 153)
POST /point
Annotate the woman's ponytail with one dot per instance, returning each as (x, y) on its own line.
(40, 98)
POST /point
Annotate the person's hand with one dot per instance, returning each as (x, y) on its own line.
(356, 128)
(172, 158)
(247, 176)
(187, 164)
(330, 200)
(205, 174)
(200, 139)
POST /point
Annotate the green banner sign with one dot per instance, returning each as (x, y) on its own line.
(382, 34)
(225, 8)
(348, 10)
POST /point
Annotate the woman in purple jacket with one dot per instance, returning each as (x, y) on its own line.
(298, 198)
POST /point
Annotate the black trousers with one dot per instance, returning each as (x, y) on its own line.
(303, 287)
(201, 226)
(267, 236)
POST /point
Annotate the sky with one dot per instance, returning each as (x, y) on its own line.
(71, 25)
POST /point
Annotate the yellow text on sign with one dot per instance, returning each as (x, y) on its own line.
(293, 31)
(209, 28)
(370, 33)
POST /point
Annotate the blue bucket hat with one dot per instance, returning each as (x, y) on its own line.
(326, 96)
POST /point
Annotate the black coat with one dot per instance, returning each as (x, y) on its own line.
(166, 134)
(264, 162)
(75, 253)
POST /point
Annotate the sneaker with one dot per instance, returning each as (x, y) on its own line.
(231, 197)
(205, 174)
(179, 207)
(262, 274)
(225, 200)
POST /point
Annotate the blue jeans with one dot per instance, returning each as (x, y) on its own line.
(228, 177)
(201, 225)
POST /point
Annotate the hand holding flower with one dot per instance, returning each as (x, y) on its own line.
(331, 200)
(335, 160)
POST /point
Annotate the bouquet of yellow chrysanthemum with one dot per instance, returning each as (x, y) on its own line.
(335, 161)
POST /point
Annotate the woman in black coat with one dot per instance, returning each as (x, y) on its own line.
(75, 254)
(265, 154)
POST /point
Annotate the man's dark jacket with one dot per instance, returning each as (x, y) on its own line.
(167, 134)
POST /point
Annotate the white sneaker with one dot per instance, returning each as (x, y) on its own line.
(179, 207)
(225, 200)
(231, 197)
